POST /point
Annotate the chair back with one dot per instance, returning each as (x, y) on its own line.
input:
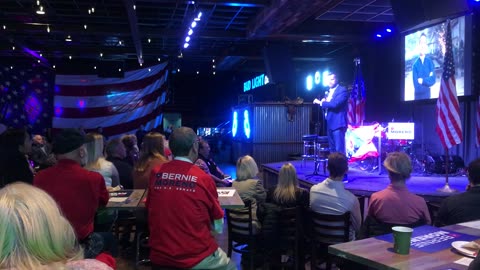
(239, 221)
(373, 227)
(290, 229)
(329, 229)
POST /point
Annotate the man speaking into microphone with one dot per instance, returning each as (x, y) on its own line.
(335, 105)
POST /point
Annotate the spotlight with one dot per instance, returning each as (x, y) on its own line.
(149, 69)
(388, 30)
(41, 55)
(93, 10)
(13, 48)
(149, 40)
(309, 82)
(185, 45)
(159, 59)
(89, 11)
(134, 7)
(213, 66)
(70, 57)
(190, 32)
(53, 66)
(101, 54)
(69, 38)
(214, 73)
(119, 70)
(178, 70)
(38, 61)
(48, 29)
(213, 60)
(199, 15)
(379, 35)
(4, 27)
(198, 72)
(194, 24)
(187, 39)
(40, 11)
(94, 67)
(85, 26)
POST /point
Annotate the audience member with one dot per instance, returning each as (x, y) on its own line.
(15, 144)
(78, 192)
(35, 234)
(182, 205)
(396, 204)
(287, 193)
(96, 162)
(330, 196)
(116, 154)
(249, 187)
(465, 206)
(151, 155)
(130, 142)
(140, 133)
(42, 153)
(209, 166)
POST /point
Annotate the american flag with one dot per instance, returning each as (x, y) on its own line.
(478, 123)
(449, 126)
(119, 106)
(356, 102)
(26, 97)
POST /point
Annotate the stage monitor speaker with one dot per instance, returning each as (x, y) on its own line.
(111, 69)
(412, 13)
(278, 63)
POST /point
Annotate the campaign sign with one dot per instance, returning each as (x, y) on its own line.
(431, 239)
(401, 131)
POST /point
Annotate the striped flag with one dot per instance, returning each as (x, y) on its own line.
(478, 123)
(356, 102)
(118, 105)
(449, 126)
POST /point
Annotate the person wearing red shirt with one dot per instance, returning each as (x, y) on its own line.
(77, 191)
(183, 209)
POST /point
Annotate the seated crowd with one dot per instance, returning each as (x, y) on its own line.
(67, 183)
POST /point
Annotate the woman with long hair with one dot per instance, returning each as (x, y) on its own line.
(96, 161)
(35, 235)
(287, 193)
(151, 155)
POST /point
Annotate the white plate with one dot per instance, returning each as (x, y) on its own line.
(465, 251)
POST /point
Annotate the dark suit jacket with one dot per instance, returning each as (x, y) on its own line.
(337, 108)
(42, 159)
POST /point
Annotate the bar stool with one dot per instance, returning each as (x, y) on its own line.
(309, 148)
(323, 150)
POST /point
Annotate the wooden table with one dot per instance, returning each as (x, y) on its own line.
(132, 202)
(379, 254)
(231, 202)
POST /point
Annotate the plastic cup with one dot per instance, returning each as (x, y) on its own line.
(401, 239)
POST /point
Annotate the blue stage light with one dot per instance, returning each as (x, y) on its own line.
(194, 24)
(309, 82)
(185, 45)
(187, 39)
(246, 124)
(190, 32)
(199, 15)
(235, 124)
(388, 30)
(325, 77)
(317, 77)
(379, 35)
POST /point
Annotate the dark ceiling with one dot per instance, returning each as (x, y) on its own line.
(233, 33)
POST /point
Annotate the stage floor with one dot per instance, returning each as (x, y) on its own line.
(363, 183)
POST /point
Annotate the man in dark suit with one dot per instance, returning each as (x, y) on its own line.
(42, 153)
(335, 105)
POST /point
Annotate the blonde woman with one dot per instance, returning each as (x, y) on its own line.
(35, 235)
(287, 193)
(96, 161)
(151, 155)
(249, 187)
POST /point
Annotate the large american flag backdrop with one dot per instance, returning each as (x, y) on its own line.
(118, 105)
(449, 126)
(356, 102)
(26, 97)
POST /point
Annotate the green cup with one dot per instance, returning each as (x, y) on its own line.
(401, 239)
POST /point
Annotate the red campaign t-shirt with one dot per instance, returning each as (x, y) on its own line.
(77, 191)
(182, 205)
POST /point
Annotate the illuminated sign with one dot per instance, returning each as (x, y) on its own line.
(235, 124)
(246, 124)
(401, 131)
(258, 81)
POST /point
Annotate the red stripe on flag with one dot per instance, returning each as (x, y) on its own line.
(105, 89)
(91, 112)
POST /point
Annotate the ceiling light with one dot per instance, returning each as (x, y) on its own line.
(196, 19)
(190, 32)
(93, 10)
(48, 29)
(134, 7)
(198, 72)
(69, 38)
(101, 54)
(70, 57)
(213, 66)
(194, 24)
(149, 69)
(119, 70)
(187, 39)
(178, 70)
(213, 60)
(38, 2)
(214, 73)
(41, 55)
(85, 26)
(149, 40)
(119, 42)
(141, 64)
(379, 36)
(89, 11)
(199, 15)
(41, 11)
(4, 27)
(159, 59)
(13, 48)
(388, 30)
(94, 67)
(38, 61)
(11, 67)
(53, 66)
(186, 45)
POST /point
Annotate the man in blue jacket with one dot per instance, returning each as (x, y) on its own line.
(423, 71)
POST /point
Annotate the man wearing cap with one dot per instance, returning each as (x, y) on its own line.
(183, 207)
(77, 191)
(395, 204)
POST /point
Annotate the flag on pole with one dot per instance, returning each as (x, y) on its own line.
(119, 106)
(478, 123)
(356, 102)
(449, 126)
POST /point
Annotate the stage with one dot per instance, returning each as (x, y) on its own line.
(363, 183)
